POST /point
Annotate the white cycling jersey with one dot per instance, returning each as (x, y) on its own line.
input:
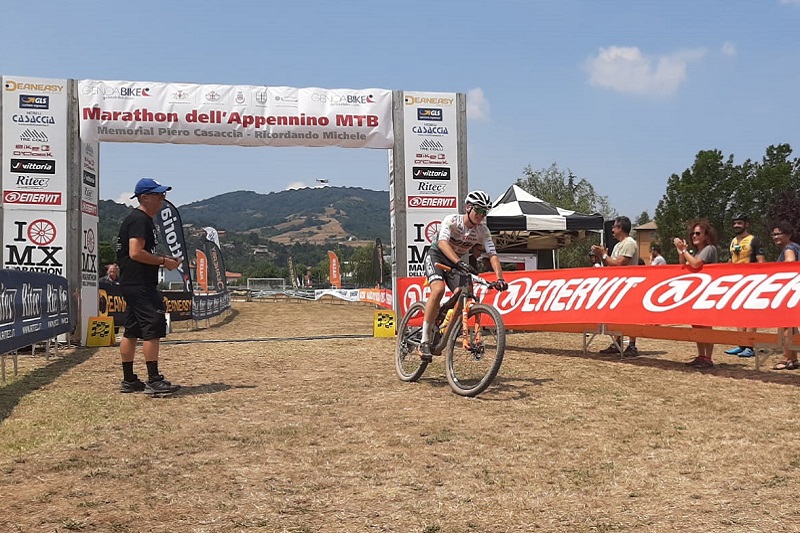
(454, 229)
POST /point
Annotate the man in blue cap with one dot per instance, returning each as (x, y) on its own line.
(139, 264)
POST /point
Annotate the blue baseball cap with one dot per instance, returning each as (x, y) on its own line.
(148, 185)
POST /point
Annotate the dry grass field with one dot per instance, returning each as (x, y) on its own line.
(276, 434)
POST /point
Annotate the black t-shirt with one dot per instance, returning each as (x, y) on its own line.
(137, 224)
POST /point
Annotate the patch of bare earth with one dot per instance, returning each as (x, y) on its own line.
(329, 229)
(319, 435)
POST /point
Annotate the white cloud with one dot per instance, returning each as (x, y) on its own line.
(728, 48)
(627, 70)
(477, 104)
(125, 198)
(296, 185)
(790, 2)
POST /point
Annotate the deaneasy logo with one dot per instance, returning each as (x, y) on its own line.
(37, 198)
(33, 166)
(413, 100)
(12, 85)
(29, 101)
(438, 202)
(732, 292)
(429, 113)
(436, 131)
(431, 188)
(428, 173)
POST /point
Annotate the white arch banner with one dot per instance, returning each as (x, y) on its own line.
(244, 115)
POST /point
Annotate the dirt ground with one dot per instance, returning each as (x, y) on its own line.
(280, 429)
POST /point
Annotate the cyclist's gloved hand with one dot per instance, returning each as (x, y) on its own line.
(501, 285)
(466, 267)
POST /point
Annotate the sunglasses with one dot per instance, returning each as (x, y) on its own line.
(778, 234)
(696, 233)
(480, 211)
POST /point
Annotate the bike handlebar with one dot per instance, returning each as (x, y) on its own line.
(475, 278)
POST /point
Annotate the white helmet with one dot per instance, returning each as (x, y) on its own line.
(479, 199)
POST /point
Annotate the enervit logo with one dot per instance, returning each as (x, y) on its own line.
(429, 113)
(413, 100)
(428, 173)
(431, 188)
(88, 208)
(29, 101)
(12, 85)
(342, 99)
(436, 131)
(38, 198)
(33, 166)
(441, 202)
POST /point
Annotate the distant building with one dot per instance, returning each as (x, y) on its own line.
(645, 236)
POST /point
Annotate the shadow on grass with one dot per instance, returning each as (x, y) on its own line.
(649, 358)
(12, 393)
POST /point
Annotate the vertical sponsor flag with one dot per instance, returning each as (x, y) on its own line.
(377, 262)
(168, 222)
(292, 274)
(216, 267)
(212, 235)
(335, 274)
(202, 270)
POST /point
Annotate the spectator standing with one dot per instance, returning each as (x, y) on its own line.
(790, 251)
(112, 275)
(656, 259)
(744, 248)
(704, 242)
(626, 252)
(139, 263)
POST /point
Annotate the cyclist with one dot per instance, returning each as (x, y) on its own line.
(457, 235)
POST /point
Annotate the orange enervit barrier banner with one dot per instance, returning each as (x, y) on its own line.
(759, 295)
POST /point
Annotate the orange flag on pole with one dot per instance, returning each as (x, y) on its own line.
(202, 270)
(335, 273)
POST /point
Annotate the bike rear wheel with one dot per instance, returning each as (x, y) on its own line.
(408, 365)
(471, 369)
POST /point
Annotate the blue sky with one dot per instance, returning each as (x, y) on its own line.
(623, 93)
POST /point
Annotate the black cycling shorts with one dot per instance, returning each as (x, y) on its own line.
(434, 273)
(145, 312)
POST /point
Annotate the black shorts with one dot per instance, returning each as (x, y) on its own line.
(434, 273)
(145, 312)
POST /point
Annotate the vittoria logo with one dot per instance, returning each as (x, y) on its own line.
(428, 173)
(33, 166)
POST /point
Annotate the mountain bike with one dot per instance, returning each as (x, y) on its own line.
(473, 346)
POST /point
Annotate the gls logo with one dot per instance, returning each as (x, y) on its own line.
(429, 113)
(27, 101)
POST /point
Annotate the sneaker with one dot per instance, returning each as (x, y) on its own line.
(631, 351)
(736, 350)
(136, 385)
(699, 362)
(747, 352)
(611, 350)
(425, 352)
(159, 385)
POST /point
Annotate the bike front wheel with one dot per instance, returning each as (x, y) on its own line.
(474, 359)
(408, 364)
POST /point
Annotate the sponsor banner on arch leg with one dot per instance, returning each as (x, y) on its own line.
(35, 241)
(764, 295)
(244, 115)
